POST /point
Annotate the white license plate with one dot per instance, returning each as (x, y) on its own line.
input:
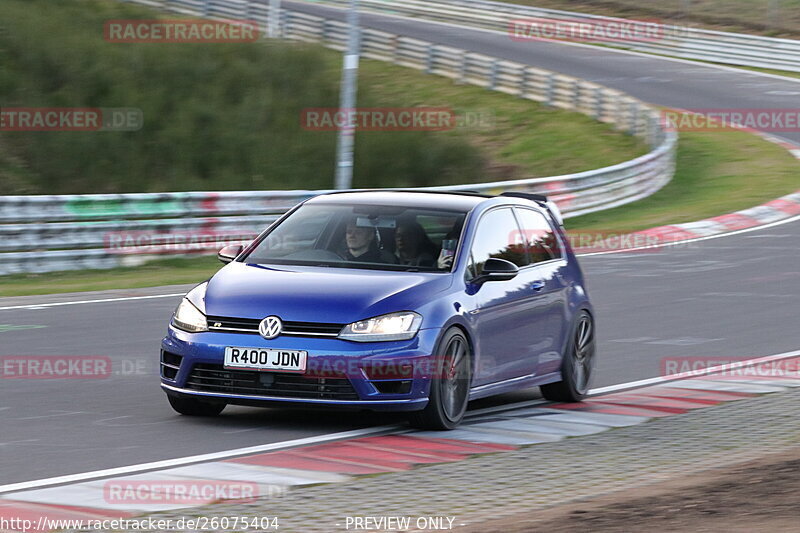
(265, 359)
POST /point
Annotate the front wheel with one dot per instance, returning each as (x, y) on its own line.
(450, 383)
(191, 407)
(576, 365)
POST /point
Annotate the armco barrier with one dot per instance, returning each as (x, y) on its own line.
(50, 233)
(675, 41)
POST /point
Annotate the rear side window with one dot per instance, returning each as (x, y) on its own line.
(498, 236)
(538, 234)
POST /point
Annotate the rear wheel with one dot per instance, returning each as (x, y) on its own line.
(191, 407)
(450, 383)
(576, 365)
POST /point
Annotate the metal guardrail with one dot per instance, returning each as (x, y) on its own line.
(674, 41)
(52, 233)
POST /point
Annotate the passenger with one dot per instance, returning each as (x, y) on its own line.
(361, 245)
(414, 247)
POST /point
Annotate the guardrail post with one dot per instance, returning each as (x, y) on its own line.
(598, 103)
(462, 72)
(523, 82)
(324, 28)
(618, 112)
(493, 74)
(550, 89)
(633, 110)
(654, 122)
(206, 7)
(284, 22)
(395, 49)
(576, 94)
(429, 59)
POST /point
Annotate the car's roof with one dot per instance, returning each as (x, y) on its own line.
(422, 199)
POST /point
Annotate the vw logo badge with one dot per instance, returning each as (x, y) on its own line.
(270, 327)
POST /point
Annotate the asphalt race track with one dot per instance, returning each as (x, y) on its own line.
(734, 296)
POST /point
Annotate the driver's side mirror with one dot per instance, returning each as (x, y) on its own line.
(229, 253)
(496, 269)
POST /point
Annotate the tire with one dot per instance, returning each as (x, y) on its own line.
(576, 364)
(191, 407)
(450, 384)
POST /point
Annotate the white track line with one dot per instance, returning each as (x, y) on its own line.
(694, 373)
(394, 430)
(642, 383)
(204, 458)
(79, 302)
(695, 239)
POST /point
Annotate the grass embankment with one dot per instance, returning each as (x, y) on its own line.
(228, 116)
(717, 173)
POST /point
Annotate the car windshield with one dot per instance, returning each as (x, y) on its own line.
(363, 236)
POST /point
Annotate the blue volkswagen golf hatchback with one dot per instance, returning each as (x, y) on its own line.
(388, 300)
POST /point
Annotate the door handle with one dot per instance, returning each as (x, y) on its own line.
(537, 286)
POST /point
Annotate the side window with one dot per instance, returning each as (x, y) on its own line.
(539, 235)
(498, 236)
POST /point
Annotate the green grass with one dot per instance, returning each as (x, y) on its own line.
(154, 274)
(717, 173)
(521, 138)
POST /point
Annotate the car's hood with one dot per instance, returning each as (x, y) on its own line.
(317, 294)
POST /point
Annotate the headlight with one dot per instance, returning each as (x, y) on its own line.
(188, 318)
(392, 327)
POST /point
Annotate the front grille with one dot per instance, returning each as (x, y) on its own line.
(250, 325)
(215, 378)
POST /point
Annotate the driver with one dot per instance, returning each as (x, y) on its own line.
(362, 245)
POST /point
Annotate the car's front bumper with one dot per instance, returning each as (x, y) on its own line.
(392, 376)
